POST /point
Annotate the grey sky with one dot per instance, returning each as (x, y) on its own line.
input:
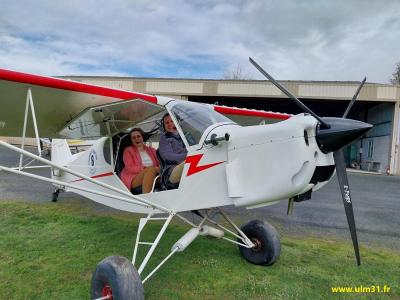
(297, 40)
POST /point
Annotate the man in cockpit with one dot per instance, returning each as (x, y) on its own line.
(172, 149)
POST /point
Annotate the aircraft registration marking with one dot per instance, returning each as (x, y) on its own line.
(347, 193)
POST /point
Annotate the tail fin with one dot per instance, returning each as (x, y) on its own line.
(60, 152)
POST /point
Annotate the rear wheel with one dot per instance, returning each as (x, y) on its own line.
(116, 278)
(266, 240)
(55, 195)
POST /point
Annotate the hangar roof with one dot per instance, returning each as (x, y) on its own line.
(333, 90)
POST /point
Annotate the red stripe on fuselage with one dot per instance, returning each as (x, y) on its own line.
(96, 176)
(68, 85)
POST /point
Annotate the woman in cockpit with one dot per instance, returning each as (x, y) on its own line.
(141, 163)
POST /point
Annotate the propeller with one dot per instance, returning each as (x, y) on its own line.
(332, 135)
(354, 98)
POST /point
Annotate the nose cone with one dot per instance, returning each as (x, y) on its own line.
(341, 133)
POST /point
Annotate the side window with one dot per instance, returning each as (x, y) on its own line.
(107, 151)
(192, 134)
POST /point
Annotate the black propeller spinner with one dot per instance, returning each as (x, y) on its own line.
(332, 135)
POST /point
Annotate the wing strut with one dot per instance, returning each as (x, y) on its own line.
(29, 104)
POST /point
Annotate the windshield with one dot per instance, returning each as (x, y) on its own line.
(195, 118)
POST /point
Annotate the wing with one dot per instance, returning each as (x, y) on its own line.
(247, 117)
(56, 102)
(65, 108)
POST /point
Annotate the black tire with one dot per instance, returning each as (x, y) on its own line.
(266, 239)
(117, 275)
(54, 197)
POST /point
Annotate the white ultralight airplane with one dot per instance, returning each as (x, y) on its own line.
(226, 164)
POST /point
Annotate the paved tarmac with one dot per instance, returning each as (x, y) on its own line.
(376, 200)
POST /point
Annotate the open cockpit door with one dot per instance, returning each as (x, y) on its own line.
(109, 119)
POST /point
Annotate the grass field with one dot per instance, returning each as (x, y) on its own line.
(49, 251)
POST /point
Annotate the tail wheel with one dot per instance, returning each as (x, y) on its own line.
(116, 278)
(267, 247)
(55, 195)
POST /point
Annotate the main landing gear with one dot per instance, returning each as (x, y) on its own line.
(116, 277)
(266, 240)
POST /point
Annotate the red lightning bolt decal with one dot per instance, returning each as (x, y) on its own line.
(193, 162)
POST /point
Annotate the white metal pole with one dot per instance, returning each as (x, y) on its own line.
(186, 220)
(235, 242)
(24, 128)
(32, 167)
(159, 265)
(140, 228)
(246, 239)
(155, 243)
(62, 183)
(34, 122)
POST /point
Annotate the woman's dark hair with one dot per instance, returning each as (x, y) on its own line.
(144, 135)
(162, 121)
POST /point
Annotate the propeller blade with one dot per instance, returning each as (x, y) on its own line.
(348, 206)
(287, 93)
(354, 98)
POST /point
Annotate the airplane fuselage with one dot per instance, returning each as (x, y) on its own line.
(257, 166)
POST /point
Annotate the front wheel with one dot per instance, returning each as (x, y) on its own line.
(266, 240)
(117, 279)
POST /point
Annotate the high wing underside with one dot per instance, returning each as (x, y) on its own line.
(56, 102)
(69, 109)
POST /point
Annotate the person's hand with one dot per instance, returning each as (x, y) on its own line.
(157, 169)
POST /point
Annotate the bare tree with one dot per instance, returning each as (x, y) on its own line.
(235, 74)
(395, 79)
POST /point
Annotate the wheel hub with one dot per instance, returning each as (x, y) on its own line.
(107, 292)
(257, 244)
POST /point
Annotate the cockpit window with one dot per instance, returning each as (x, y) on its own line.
(195, 118)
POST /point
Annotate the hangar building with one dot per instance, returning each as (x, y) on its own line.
(378, 104)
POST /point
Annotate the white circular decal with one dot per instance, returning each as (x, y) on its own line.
(92, 162)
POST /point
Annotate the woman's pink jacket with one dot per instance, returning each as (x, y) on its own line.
(133, 163)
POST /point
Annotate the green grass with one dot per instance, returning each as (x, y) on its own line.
(49, 251)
